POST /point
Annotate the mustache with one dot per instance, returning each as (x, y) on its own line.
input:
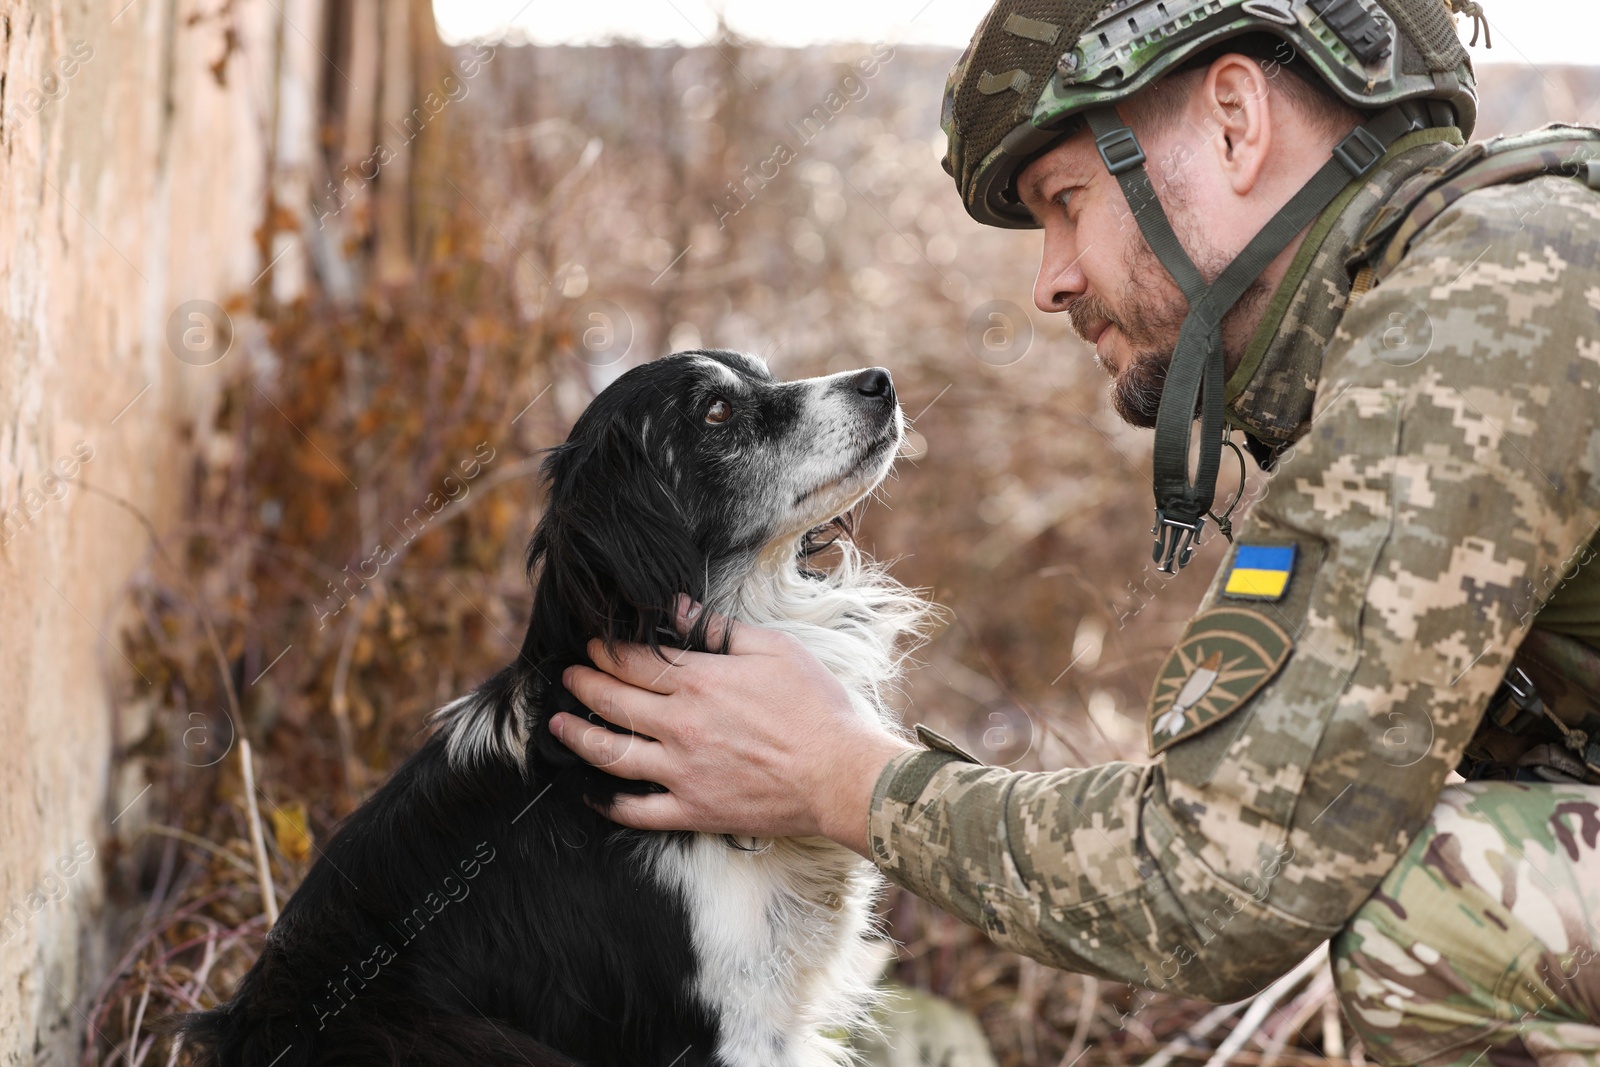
(1086, 312)
(1136, 389)
(1142, 321)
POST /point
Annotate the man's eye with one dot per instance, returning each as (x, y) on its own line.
(719, 410)
(1061, 198)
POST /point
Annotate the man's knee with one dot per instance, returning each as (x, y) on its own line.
(1482, 935)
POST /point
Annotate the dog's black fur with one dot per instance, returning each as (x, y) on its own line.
(476, 909)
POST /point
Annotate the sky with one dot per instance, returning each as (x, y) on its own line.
(1524, 31)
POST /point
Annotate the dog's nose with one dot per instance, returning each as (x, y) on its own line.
(875, 382)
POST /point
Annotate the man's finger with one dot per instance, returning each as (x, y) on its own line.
(624, 755)
(655, 811)
(743, 639)
(639, 666)
(616, 701)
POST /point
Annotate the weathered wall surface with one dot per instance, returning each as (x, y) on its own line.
(137, 141)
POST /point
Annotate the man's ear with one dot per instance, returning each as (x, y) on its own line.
(1237, 100)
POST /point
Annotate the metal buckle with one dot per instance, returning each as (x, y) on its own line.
(1359, 152)
(1120, 150)
(1175, 542)
(1515, 705)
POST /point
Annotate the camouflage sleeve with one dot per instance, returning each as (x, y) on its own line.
(1450, 466)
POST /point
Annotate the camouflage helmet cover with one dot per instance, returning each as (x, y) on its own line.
(1034, 65)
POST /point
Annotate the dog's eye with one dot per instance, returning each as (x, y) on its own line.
(719, 410)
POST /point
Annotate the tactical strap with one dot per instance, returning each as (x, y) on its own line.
(1124, 159)
(916, 772)
(1197, 378)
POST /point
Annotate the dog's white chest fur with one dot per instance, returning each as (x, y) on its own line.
(779, 936)
(780, 933)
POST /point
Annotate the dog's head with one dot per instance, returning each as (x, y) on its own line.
(685, 471)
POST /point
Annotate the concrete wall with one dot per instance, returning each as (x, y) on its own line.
(138, 141)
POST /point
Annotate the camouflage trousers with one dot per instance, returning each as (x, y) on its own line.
(1483, 946)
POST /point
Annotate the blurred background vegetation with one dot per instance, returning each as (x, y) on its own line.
(564, 213)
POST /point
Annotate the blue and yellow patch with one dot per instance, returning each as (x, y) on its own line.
(1260, 572)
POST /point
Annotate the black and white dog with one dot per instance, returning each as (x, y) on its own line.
(476, 910)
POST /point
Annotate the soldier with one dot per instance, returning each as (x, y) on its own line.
(1406, 334)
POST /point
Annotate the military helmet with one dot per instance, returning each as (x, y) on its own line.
(1035, 65)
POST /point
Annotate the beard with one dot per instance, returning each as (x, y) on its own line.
(1149, 312)
(1136, 389)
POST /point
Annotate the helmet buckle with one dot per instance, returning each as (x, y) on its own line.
(1120, 150)
(1175, 542)
(1359, 152)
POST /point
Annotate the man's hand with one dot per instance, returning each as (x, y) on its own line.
(762, 742)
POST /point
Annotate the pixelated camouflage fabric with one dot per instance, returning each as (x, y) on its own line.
(1271, 392)
(1449, 461)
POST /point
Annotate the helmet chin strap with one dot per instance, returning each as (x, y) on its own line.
(1197, 376)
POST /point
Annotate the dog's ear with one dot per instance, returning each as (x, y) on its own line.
(614, 548)
(610, 555)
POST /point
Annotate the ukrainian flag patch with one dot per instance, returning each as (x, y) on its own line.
(1260, 572)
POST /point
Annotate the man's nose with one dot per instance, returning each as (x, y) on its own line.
(1060, 277)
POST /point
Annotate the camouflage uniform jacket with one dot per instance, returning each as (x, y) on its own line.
(1439, 451)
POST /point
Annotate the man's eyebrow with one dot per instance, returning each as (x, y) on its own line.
(1030, 189)
(1028, 196)
(1033, 190)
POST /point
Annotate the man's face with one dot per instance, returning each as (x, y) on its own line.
(1098, 268)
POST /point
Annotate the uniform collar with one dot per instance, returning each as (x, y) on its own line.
(1270, 394)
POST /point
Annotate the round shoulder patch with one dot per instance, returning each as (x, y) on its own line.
(1224, 657)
